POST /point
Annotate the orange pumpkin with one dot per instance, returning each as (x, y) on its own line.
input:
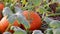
(1, 6)
(4, 24)
(34, 19)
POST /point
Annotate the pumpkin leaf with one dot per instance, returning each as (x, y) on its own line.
(48, 20)
(37, 32)
(23, 20)
(18, 30)
(12, 18)
(48, 31)
(55, 24)
(7, 12)
(56, 31)
(6, 33)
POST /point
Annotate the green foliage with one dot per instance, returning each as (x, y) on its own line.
(12, 18)
(18, 30)
(48, 31)
(41, 10)
(54, 0)
(58, 10)
(56, 31)
(55, 24)
(37, 32)
(36, 2)
(41, 6)
(15, 16)
(17, 9)
(48, 20)
(23, 2)
(7, 12)
(6, 33)
(22, 20)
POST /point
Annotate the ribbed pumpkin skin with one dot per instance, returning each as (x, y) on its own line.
(4, 23)
(34, 19)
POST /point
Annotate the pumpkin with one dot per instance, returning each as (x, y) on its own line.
(1, 6)
(4, 23)
(34, 19)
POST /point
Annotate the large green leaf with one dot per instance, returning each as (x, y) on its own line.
(7, 11)
(48, 20)
(21, 19)
(56, 31)
(18, 30)
(12, 18)
(55, 24)
(48, 31)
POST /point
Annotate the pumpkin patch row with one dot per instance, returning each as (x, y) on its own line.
(32, 17)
